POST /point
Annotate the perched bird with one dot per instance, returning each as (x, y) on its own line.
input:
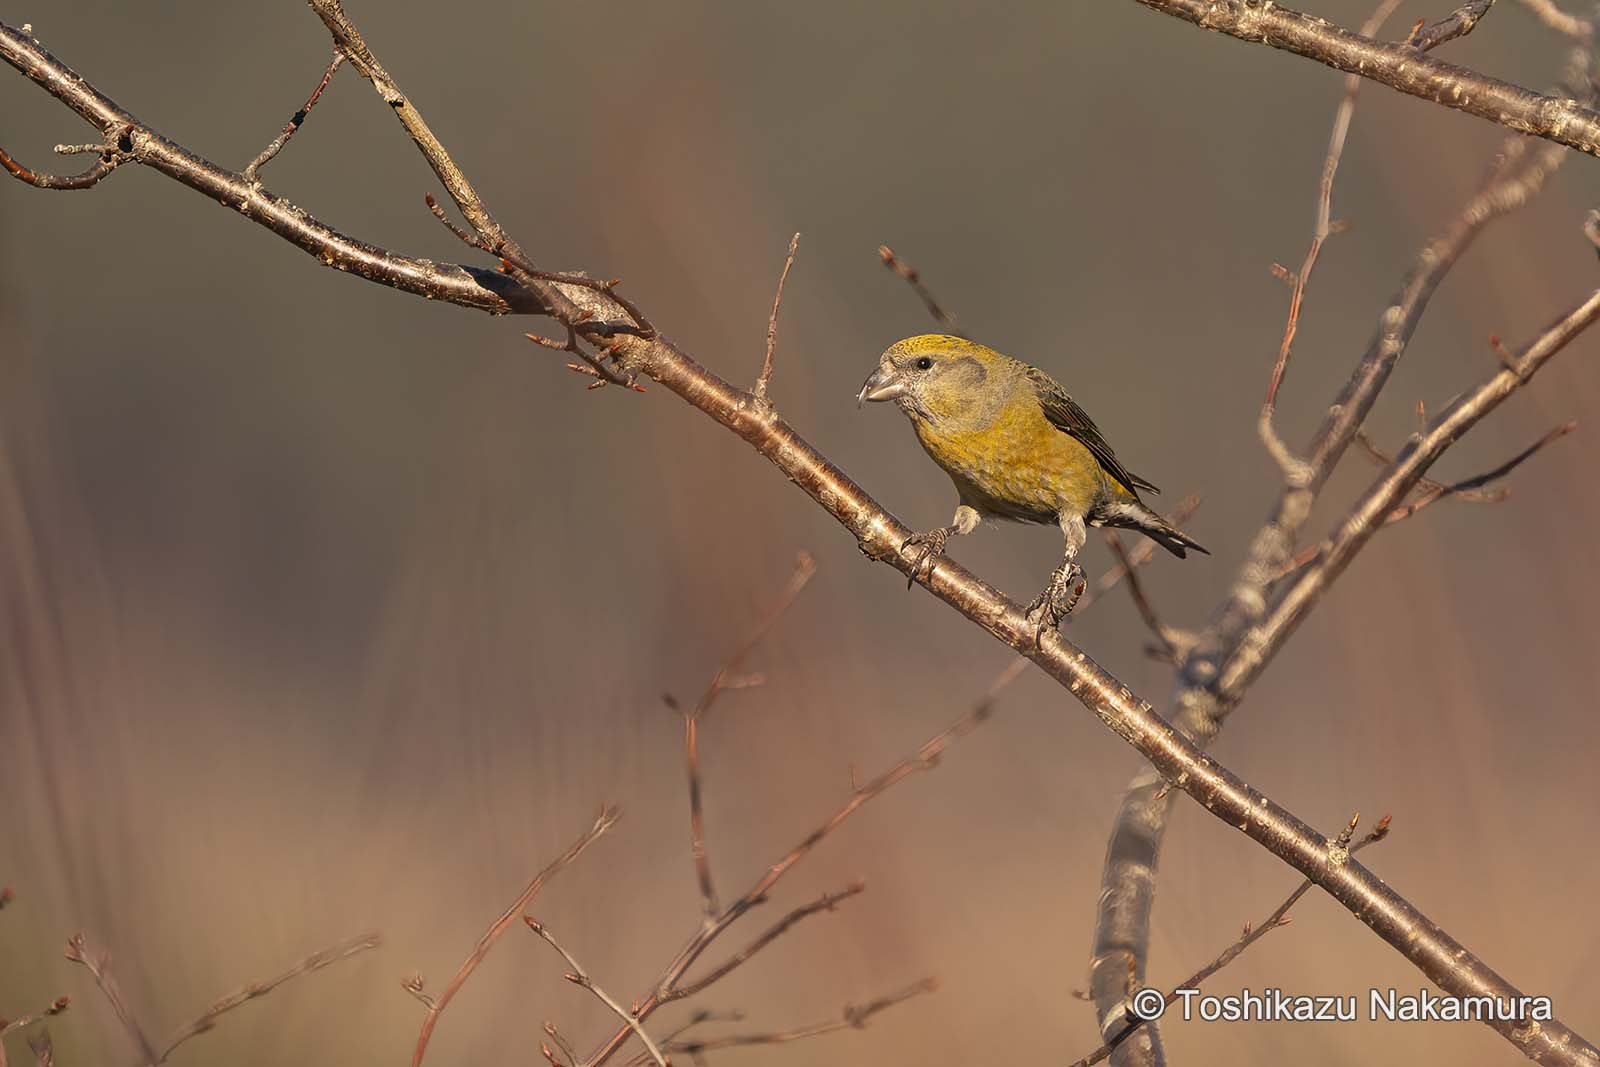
(1017, 447)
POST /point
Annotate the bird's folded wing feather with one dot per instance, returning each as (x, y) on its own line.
(1065, 414)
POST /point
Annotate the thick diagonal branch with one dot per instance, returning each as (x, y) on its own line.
(1399, 66)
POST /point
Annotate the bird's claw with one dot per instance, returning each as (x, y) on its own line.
(932, 547)
(1060, 596)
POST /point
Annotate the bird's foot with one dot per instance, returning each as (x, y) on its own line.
(1058, 599)
(931, 545)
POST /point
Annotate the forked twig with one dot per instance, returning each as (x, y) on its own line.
(580, 977)
(605, 821)
(78, 951)
(826, 902)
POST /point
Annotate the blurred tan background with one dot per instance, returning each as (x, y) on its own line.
(328, 609)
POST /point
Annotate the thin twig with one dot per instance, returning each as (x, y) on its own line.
(760, 390)
(671, 985)
(554, 1034)
(1339, 849)
(100, 967)
(40, 180)
(43, 1049)
(826, 902)
(1551, 15)
(1295, 469)
(1174, 644)
(314, 962)
(579, 976)
(295, 120)
(913, 278)
(605, 821)
(1470, 488)
(727, 677)
(853, 1016)
(22, 1022)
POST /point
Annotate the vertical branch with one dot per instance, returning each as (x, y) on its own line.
(100, 967)
(772, 323)
(727, 678)
(1294, 469)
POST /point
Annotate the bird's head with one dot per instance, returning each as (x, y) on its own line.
(931, 376)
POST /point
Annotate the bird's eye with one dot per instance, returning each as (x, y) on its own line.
(924, 363)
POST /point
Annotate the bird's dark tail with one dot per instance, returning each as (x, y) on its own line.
(1135, 516)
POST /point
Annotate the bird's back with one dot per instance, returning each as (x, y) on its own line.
(1008, 460)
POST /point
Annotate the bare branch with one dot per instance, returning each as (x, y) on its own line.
(43, 1049)
(514, 261)
(100, 967)
(1201, 703)
(1399, 66)
(1388, 493)
(107, 163)
(55, 1007)
(1295, 470)
(1174, 644)
(295, 120)
(944, 318)
(1468, 489)
(561, 1042)
(671, 984)
(605, 821)
(1558, 20)
(726, 678)
(760, 391)
(578, 976)
(826, 902)
(854, 1016)
(314, 962)
(1175, 757)
(1250, 935)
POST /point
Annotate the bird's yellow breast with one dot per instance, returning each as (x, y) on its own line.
(1018, 466)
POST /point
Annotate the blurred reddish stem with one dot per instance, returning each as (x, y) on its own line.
(605, 821)
(78, 951)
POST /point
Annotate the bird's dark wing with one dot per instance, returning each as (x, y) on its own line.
(1065, 415)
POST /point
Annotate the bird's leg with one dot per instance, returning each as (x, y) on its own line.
(931, 544)
(1066, 583)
